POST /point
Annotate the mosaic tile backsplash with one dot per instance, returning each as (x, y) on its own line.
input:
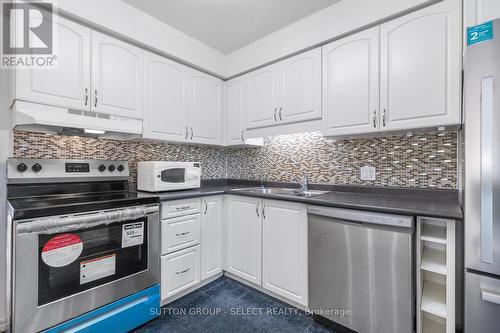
(39, 145)
(419, 161)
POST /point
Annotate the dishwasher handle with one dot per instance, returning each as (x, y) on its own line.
(359, 216)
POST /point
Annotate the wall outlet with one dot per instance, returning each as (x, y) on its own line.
(367, 173)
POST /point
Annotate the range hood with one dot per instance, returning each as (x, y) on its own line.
(27, 116)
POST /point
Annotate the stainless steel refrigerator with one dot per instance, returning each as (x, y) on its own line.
(482, 179)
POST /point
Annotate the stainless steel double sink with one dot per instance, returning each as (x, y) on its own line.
(285, 192)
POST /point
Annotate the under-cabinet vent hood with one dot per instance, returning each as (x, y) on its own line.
(27, 116)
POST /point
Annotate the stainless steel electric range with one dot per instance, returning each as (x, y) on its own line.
(81, 241)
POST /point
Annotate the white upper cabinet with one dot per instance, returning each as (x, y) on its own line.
(234, 91)
(67, 85)
(284, 250)
(262, 97)
(211, 236)
(300, 88)
(166, 99)
(420, 64)
(117, 77)
(286, 92)
(206, 98)
(350, 84)
(243, 227)
(479, 11)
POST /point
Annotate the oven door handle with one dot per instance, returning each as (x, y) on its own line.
(57, 224)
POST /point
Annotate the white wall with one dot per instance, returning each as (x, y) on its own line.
(337, 20)
(118, 17)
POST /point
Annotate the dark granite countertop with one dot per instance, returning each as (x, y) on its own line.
(432, 203)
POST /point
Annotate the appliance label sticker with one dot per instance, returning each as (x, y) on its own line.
(479, 33)
(62, 250)
(97, 268)
(133, 234)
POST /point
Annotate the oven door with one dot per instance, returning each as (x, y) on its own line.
(66, 266)
(177, 178)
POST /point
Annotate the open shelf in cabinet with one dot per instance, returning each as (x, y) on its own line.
(433, 260)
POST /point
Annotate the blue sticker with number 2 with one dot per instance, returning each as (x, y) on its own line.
(479, 33)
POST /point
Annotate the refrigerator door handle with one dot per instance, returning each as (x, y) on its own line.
(487, 169)
(490, 297)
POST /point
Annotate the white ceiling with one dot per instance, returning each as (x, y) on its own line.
(227, 25)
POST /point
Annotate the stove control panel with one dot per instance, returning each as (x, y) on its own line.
(29, 170)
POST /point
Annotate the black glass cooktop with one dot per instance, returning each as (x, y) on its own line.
(49, 205)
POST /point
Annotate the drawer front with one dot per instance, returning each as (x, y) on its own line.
(180, 232)
(177, 208)
(180, 271)
(482, 303)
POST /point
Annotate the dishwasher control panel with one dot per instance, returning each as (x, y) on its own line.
(359, 216)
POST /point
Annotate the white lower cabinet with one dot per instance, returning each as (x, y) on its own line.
(191, 243)
(243, 225)
(284, 250)
(211, 237)
(180, 232)
(179, 271)
(266, 244)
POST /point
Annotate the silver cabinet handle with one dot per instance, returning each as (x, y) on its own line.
(187, 132)
(383, 117)
(206, 207)
(192, 133)
(184, 271)
(257, 209)
(86, 96)
(183, 233)
(183, 208)
(242, 137)
(375, 119)
(490, 297)
(281, 117)
(95, 98)
(264, 210)
(275, 109)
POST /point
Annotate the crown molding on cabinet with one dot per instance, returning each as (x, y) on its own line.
(114, 17)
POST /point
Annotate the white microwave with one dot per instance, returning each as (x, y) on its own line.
(158, 176)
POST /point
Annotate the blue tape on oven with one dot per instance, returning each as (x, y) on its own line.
(120, 316)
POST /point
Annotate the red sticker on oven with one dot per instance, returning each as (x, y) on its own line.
(62, 250)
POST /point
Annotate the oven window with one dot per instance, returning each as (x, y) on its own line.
(71, 262)
(174, 175)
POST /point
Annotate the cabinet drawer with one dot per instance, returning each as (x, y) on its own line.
(180, 232)
(180, 207)
(179, 271)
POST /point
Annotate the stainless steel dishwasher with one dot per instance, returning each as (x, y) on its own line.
(361, 270)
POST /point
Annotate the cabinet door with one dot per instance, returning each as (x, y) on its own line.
(166, 100)
(284, 250)
(117, 77)
(205, 118)
(262, 98)
(211, 237)
(350, 84)
(68, 84)
(420, 83)
(243, 237)
(300, 87)
(235, 111)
